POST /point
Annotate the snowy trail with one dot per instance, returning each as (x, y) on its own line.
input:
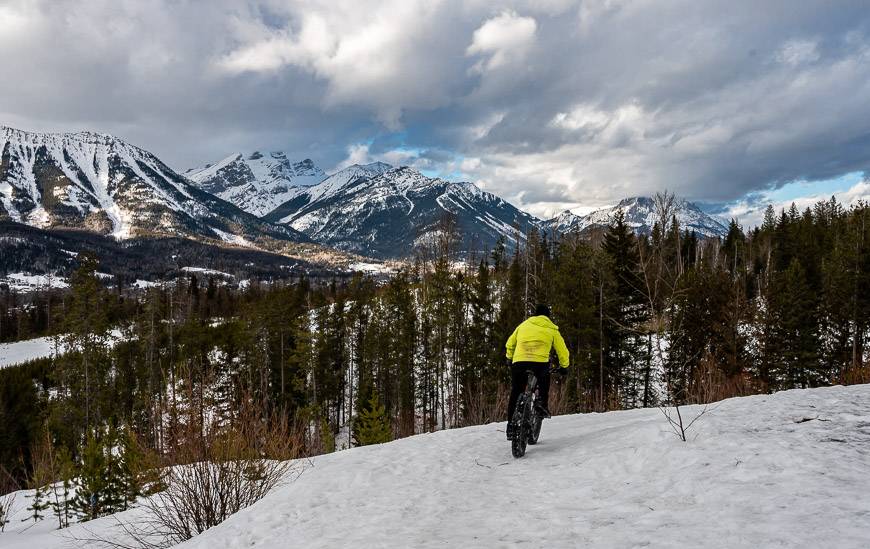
(755, 475)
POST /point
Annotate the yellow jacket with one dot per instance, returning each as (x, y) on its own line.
(533, 339)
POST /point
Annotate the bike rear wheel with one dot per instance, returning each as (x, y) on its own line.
(521, 432)
(537, 420)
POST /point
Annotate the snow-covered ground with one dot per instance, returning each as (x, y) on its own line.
(26, 282)
(18, 352)
(370, 268)
(27, 350)
(207, 272)
(784, 470)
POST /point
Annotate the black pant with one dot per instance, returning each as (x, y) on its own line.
(519, 378)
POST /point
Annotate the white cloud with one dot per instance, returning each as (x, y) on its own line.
(17, 19)
(371, 56)
(356, 154)
(585, 117)
(798, 52)
(505, 39)
(619, 127)
(360, 154)
(481, 130)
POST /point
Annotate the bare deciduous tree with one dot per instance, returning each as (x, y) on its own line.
(210, 475)
(8, 491)
(662, 288)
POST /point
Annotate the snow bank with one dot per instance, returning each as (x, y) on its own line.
(784, 470)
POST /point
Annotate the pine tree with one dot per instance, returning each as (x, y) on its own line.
(735, 242)
(373, 425)
(131, 467)
(401, 338)
(327, 438)
(479, 379)
(63, 490)
(39, 503)
(83, 374)
(42, 476)
(90, 498)
(795, 343)
(625, 311)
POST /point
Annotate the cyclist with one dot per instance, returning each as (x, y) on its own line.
(528, 348)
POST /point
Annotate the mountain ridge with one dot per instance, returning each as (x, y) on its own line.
(101, 183)
(640, 215)
(390, 211)
(98, 182)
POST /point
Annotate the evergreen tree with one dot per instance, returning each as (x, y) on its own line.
(84, 372)
(625, 312)
(794, 351)
(481, 378)
(63, 490)
(373, 424)
(90, 499)
(734, 248)
(39, 503)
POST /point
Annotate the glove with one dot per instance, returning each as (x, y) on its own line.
(508, 362)
(561, 374)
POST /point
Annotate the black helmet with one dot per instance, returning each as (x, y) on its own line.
(542, 310)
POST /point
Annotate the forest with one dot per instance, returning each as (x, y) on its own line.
(657, 319)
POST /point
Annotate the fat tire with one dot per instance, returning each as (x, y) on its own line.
(518, 444)
(536, 429)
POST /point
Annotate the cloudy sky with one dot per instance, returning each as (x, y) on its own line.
(551, 104)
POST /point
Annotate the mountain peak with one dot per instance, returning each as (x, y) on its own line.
(640, 214)
(634, 201)
(257, 182)
(381, 166)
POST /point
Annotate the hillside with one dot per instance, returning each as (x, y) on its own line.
(784, 470)
(26, 249)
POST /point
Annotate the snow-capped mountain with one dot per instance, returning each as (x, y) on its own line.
(640, 214)
(257, 182)
(564, 223)
(100, 183)
(382, 211)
